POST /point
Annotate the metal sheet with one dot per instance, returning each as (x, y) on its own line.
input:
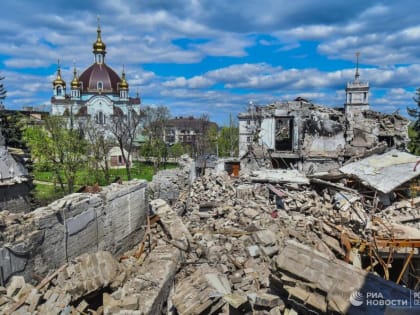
(384, 172)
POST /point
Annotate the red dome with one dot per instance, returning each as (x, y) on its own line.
(90, 79)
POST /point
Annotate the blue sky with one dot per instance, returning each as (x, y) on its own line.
(216, 56)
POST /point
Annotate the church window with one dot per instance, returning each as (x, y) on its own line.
(100, 85)
(100, 118)
(59, 90)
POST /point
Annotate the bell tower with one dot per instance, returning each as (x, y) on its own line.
(357, 93)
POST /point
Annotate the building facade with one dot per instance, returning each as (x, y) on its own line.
(186, 130)
(98, 93)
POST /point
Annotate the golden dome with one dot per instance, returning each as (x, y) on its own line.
(75, 82)
(58, 80)
(99, 46)
(123, 84)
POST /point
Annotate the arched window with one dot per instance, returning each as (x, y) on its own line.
(100, 118)
(59, 91)
(123, 94)
(100, 85)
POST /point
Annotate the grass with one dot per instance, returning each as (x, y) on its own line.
(45, 193)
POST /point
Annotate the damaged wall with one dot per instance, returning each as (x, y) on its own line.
(366, 129)
(15, 197)
(15, 184)
(168, 184)
(112, 220)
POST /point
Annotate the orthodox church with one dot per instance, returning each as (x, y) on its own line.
(99, 92)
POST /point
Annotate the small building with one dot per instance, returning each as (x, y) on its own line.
(116, 159)
(186, 130)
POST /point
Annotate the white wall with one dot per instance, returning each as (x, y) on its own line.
(267, 133)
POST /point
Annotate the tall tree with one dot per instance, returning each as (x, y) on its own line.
(176, 150)
(154, 124)
(98, 148)
(57, 148)
(414, 129)
(125, 130)
(3, 92)
(11, 127)
(202, 143)
(154, 121)
(223, 142)
(212, 136)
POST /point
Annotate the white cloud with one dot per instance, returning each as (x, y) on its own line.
(245, 47)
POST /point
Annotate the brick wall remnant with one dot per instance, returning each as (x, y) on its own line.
(112, 220)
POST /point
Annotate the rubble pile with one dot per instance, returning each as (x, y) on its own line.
(242, 229)
(237, 246)
(405, 212)
(65, 289)
(99, 284)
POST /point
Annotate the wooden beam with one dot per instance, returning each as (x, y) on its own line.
(407, 261)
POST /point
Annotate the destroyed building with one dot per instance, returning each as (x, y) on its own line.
(316, 138)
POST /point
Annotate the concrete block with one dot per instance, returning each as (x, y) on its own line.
(268, 300)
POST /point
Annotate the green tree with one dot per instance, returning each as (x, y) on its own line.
(97, 150)
(3, 92)
(155, 121)
(125, 129)
(155, 150)
(202, 143)
(176, 150)
(414, 128)
(56, 148)
(228, 139)
(11, 126)
(212, 137)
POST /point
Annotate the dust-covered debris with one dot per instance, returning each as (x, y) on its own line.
(230, 245)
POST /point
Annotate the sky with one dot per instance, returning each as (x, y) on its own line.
(216, 57)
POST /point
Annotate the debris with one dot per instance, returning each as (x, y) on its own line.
(238, 246)
(279, 176)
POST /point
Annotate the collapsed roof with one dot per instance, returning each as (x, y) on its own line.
(384, 172)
